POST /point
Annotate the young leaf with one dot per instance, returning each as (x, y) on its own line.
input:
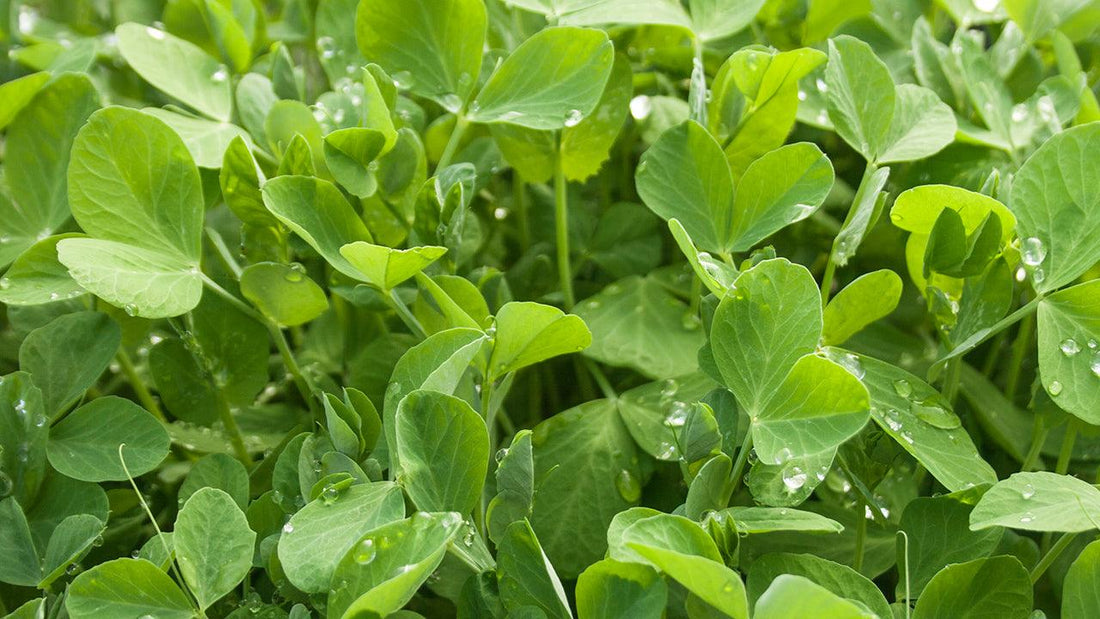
(870, 297)
(920, 127)
(213, 545)
(432, 48)
(85, 444)
(219, 471)
(1069, 362)
(1080, 599)
(18, 93)
(66, 356)
(283, 293)
(206, 140)
(684, 175)
(384, 569)
(73, 538)
(526, 576)
(712, 581)
(772, 318)
(994, 587)
(444, 450)
(515, 477)
(860, 95)
(837, 578)
(552, 81)
(1039, 501)
(177, 68)
(1056, 199)
(349, 154)
(21, 566)
(611, 589)
(768, 519)
(791, 595)
(385, 268)
(938, 530)
(123, 587)
(316, 538)
(37, 276)
(528, 333)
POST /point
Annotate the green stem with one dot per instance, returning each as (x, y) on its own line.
(1051, 555)
(1066, 453)
(461, 124)
(601, 380)
(696, 295)
(1038, 437)
(861, 540)
(519, 203)
(830, 264)
(405, 315)
(223, 252)
(490, 424)
(231, 428)
(742, 459)
(827, 279)
(561, 227)
(951, 380)
(1019, 350)
(140, 390)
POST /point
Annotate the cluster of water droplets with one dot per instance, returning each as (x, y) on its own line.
(1070, 347)
(1032, 253)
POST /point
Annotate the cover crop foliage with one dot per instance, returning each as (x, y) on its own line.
(755, 309)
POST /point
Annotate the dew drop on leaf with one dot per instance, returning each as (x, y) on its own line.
(1027, 492)
(288, 529)
(1032, 251)
(794, 478)
(1070, 347)
(1095, 365)
(628, 486)
(1054, 388)
(903, 388)
(501, 453)
(365, 552)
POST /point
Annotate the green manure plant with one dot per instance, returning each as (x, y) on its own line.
(606, 309)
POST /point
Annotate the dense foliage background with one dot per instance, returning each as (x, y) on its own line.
(534, 308)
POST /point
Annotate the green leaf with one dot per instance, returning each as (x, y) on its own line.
(316, 538)
(611, 589)
(791, 595)
(213, 545)
(1069, 363)
(625, 12)
(585, 146)
(1038, 17)
(527, 333)
(432, 48)
(870, 297)
(551, 81)
(580, 453)
(240, 180)
(349, 154)
(526, 576)
(684, 175)
(60, 497)
(290, 127)
(85, 445)
(283, 293)
(639, 323)
(836, 578)
(938, 534)
(384, 569)
(1056, 199)
(664, 531)
(717, 19)
(66, 356)
(125, 588)
(760, 330)
(515, 477)
(133, 186)
(17, 93)
(220, 471)
(716, 275)
(20, 566)
(920, 127)
(790, 483)
(711, 581)
(37, 158)
(444, 450)
(177, 68)
(317, 211)
(1080, 598)
(994, 587)
(24, 426)
(385, 268)
(918, 418)
(768, 519)
(206, 140)
(861, 95)
(818, 406)
(37, 276)
(782, 187)
(1039, 501)
(69, 543)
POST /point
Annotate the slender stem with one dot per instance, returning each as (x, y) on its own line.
(140, 390)
(519, 203)
(830, 264)
(601, 380)
(1066, 453)
(405, 315)
(861, 540)
(223, 252)
(1051, 555)
(951, 380)
(1038, 437)
(827, 279)
(232, 300)
(490, 424)
(461, 124)
(696, 295)
(231, 428)
(742, 459)
(1019, 350)
(561, 219)
(992, 358)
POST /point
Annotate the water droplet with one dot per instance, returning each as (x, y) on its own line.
(1026, 518)
(326, 47)
(986, 6)
(640, 107)
(802, 95)
(468, 539)
(6, 485)
(1032, 251)
(628, 486)
(892, 420)
(403, 80)
(338, 115)
(903, 388)
(933, 411)
(365, 552)
(1095, 365)
(690, 322)
(851, 363)
(667, 451)
(153, 32)
(5, 283)
(500, 213)
(501, 453)
(1038, 275)
(1019, 113)
(1027, 492)
(288, 529)
(130, 309)
(72, 569)
(1054, 388)
(329, 494)
(573, 118)
(677, 416)
(669, 388)
(1069, 347)
(794, 478)
(783, 455)
(821, 85)
(451, 102)
(219, 76)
